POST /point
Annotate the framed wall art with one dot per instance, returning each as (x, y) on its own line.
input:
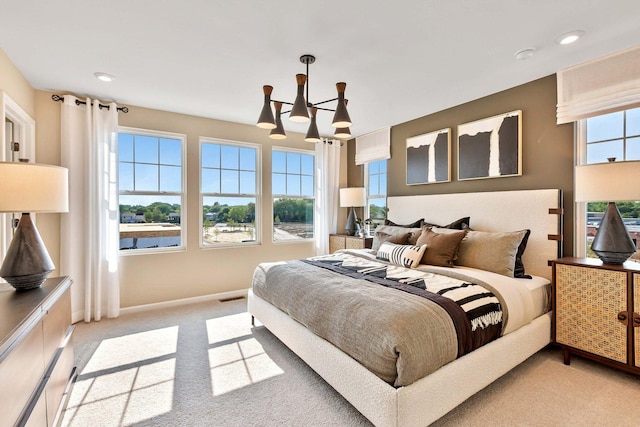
(428, 158)
(491, 147)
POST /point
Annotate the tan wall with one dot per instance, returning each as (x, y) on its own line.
(15, 85)
(160, 277)
(195, 272)
(547, 148)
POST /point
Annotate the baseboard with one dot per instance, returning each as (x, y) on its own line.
(183, 301)
(79, 315)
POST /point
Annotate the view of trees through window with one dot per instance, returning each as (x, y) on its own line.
(376, 193)
(293, 194)
(615, 135)
(150, 189)
(229, 193)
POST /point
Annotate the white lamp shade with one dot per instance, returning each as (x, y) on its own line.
(353, 197)
(30, 187)
(608, 182)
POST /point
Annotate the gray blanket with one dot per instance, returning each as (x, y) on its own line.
(398, 336)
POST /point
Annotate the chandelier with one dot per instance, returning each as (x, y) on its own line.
(303, 110)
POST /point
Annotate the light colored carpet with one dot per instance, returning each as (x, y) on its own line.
(203, 365)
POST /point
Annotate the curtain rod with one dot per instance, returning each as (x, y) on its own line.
(59, 98)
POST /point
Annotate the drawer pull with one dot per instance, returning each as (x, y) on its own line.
(622, 318)
(636, 320)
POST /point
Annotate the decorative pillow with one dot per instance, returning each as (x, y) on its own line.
(403, 255)
(458, 224)
(518, 270)
(394, 230)
(416, 224)
(399, 239)
(441, 248)
(494, 252)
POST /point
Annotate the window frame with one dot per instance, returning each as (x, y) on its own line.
(312, 153)
(258, 195)
(182, 194)
(581, 151)
(375, 196)
(580, 208)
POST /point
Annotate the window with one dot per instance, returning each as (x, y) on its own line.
(229, 192)
(376, 179)
(151, 186)
(292, 185)
(602, 137)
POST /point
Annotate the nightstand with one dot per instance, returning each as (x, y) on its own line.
(596, 311)
(342, 241)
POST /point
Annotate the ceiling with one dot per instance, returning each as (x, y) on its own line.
(401, 59)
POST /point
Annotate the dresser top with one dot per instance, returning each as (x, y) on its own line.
(20, 310)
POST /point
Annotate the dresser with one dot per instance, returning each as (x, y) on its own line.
(597, 311)
(342, 241)
(36, 353)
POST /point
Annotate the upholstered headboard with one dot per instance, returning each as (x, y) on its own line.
(537, 210)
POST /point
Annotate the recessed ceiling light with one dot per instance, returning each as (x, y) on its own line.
(570, 37)
(525, 53)
(104, 77)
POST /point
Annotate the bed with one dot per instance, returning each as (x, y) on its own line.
(422, 399)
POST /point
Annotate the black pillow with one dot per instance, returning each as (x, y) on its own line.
(518, 270)
(458, 224)
(416, 224)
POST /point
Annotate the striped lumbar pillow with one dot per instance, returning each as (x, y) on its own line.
(403, 255)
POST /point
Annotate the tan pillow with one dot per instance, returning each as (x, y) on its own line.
(494, 252)
(399, 239)
(394, 231)
(441, 248)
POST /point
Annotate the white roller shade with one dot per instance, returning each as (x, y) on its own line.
(601, 86)
(373, 146)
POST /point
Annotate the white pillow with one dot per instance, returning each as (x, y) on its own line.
(403, 255)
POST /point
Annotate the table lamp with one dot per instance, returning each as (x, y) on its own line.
(26, 188)
(352, 197)
(610, 182)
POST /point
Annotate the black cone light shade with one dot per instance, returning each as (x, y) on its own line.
(299, 111)
(341, 117)
(312, 133)
(345, 132)
(278, 132)
(266, 120)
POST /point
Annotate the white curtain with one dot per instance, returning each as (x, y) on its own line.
(327, 190)
(90, 231)
(601, 86)
(373, 146)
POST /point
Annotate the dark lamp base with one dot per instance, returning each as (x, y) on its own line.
(27, 263)
(612, 242)
(31, 281)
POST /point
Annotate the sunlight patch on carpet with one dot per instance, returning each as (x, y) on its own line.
(236, 359)
(130, 377)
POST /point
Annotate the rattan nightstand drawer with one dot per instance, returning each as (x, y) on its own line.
(588, 301)
(342, 241)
